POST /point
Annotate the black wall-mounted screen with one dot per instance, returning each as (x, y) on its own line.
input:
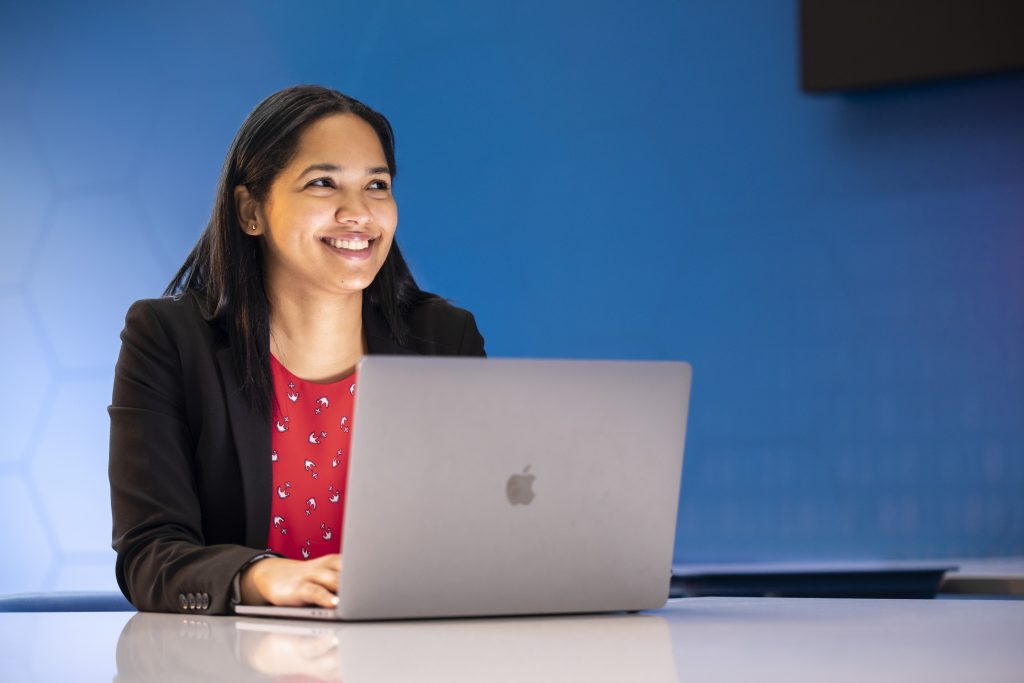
(854, 44)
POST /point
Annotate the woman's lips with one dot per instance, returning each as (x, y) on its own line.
(352, 246)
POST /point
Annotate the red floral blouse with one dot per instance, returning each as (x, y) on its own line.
(309, 443)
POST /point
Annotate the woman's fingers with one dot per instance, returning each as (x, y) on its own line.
(332, 561)
(324, 571)
(315, 594)
(328, 578)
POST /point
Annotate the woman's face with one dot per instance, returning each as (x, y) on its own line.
(329, 218)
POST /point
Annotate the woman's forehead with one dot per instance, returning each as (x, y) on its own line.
(337, 137)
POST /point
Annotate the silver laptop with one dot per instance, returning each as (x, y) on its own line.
(483, 487)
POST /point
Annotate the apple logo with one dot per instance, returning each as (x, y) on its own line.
(520, 488)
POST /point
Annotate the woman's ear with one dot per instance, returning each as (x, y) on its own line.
(248, 211)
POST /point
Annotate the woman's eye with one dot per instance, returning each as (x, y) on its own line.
(379, 185)
(321, 182)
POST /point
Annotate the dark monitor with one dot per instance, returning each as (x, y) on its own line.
(856, 44)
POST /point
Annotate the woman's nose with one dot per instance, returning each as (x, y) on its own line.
(352, 210)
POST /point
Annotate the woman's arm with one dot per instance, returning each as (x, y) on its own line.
(163, 563)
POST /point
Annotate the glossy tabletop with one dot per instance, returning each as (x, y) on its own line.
(693, 640)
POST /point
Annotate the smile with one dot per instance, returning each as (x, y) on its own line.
(351, 247)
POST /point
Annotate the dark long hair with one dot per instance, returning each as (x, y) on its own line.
(225, 268)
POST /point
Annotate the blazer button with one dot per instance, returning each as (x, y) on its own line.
(206, 601)
(182, 601)
(191, 600)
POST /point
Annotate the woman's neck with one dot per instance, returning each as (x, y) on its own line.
(318, 337)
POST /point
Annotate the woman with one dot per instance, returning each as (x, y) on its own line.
(231, 408)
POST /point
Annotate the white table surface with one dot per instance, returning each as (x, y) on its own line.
(692, 640)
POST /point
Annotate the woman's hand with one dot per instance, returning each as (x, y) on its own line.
(292, 583)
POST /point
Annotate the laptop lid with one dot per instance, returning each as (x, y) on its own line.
(507, 486)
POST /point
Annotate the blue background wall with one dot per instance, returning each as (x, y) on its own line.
(591, 179)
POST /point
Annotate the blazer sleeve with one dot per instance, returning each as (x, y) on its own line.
(162, 563)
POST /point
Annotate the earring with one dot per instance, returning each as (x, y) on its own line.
(253, 228)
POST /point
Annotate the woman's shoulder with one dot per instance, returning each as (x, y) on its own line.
(443, 328)
(165, 344)
(436, 309)
(179, 307)
(169, 316)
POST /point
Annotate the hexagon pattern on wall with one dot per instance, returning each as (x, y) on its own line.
(26, 538)
(24, 385)
(24, 195)
(91, 127)
(74, 438)
(65, 314)
(83, 284)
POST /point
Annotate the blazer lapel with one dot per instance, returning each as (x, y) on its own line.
(252, 442)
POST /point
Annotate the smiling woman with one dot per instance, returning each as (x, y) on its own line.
(232, 391)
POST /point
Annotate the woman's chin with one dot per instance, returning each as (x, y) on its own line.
(352, 286)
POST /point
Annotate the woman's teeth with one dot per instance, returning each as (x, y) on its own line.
(352, 245)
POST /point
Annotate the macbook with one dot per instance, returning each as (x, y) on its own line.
(486, 487)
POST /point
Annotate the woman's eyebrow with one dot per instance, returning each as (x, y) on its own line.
(334, 168)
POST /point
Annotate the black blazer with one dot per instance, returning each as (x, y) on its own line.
(190, 472)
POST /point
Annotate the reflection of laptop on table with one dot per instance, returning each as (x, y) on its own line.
(578, 648)
(499, 487)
